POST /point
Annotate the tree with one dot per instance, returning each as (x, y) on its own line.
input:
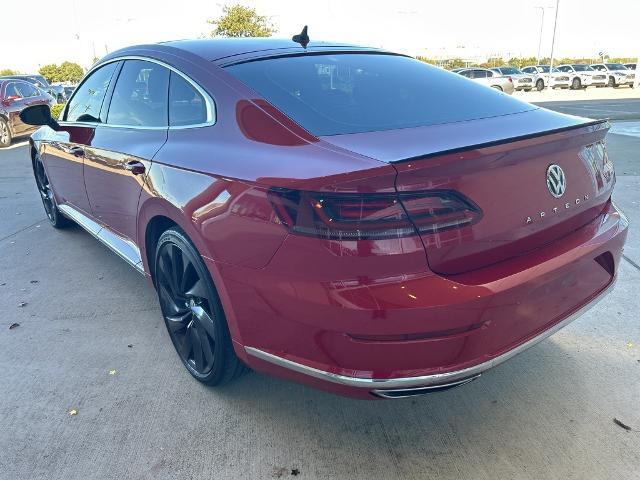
(70, 72)
(50, 72)
(240, 21)
(66, 72)
(8, 71)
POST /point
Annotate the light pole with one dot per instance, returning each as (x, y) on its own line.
(541, 27)
(553, 40)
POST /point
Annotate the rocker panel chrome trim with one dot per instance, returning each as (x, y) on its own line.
(125, 249)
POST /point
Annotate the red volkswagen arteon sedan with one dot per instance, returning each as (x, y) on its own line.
(345, 217)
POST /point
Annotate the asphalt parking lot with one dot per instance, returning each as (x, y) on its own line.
(91, 339)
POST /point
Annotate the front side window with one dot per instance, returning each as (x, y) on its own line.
(86, 103)
(332, 94)
(140, 96)
(186, 105)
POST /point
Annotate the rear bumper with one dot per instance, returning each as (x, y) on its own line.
(414, 333)
(411, 386)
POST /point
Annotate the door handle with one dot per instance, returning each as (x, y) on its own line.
(135, 167)
(77, 151)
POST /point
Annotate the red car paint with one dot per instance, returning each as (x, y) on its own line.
(368, 309)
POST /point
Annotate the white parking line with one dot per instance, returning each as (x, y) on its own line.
(631, 129)
(17, 145)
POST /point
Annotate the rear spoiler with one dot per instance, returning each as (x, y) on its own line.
(600, 123)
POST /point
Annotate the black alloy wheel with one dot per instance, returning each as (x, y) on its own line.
(192, 311)
(46, 194)
(5, 133)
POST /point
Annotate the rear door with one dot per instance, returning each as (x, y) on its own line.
(135, 128)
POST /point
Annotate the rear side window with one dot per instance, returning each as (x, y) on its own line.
(11, 90)
(27, 90)
(333, 94)
(86, 103)
(140, 95)
(186, 105)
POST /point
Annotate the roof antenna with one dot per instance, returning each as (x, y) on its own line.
(302, 38)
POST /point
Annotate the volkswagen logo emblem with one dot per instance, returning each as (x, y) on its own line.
(556, 180)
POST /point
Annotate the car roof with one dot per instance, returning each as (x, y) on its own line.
(231, 50)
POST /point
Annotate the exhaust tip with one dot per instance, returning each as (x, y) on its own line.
(418, 391)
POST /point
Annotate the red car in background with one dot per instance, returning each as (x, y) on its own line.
(16, 95)
(341, 216)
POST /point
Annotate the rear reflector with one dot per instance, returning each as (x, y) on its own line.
(355, 216)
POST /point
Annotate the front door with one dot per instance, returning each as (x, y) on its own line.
(136, 127)
(64, 154)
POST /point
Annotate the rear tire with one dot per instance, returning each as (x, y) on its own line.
(540, 85)
(192, 311)
(5, 134)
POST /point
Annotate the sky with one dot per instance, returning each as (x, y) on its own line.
(469, 29)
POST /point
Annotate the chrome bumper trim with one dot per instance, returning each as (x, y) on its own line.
(125, 249)
(436, 379)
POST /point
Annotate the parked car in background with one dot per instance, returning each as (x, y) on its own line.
(317, 213)
(583, 76)
(487, 77)
(545, 78)
(68, 90)
(521, 80)
(37, 80)
(15, 96)
(630, 66)
(58, 90)
(618, 74)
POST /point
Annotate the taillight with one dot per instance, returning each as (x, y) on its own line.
(510, 79)
(355, 216)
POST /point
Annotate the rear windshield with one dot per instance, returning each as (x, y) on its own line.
(354, 93)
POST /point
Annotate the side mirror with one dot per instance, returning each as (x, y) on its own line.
(39, 115)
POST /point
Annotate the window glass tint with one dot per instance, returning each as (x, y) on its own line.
(86, 103)
(140, 95)
(351, 93)
(186, 105)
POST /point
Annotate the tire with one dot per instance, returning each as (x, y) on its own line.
(5, 134)
(55, 217)
(192, 311)
(611, 82)
(540, 85)
(576, 84)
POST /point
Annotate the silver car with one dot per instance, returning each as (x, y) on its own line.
(521, 81)
(488, 78)
(583, 76)
(545, 78)
(618, 74)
